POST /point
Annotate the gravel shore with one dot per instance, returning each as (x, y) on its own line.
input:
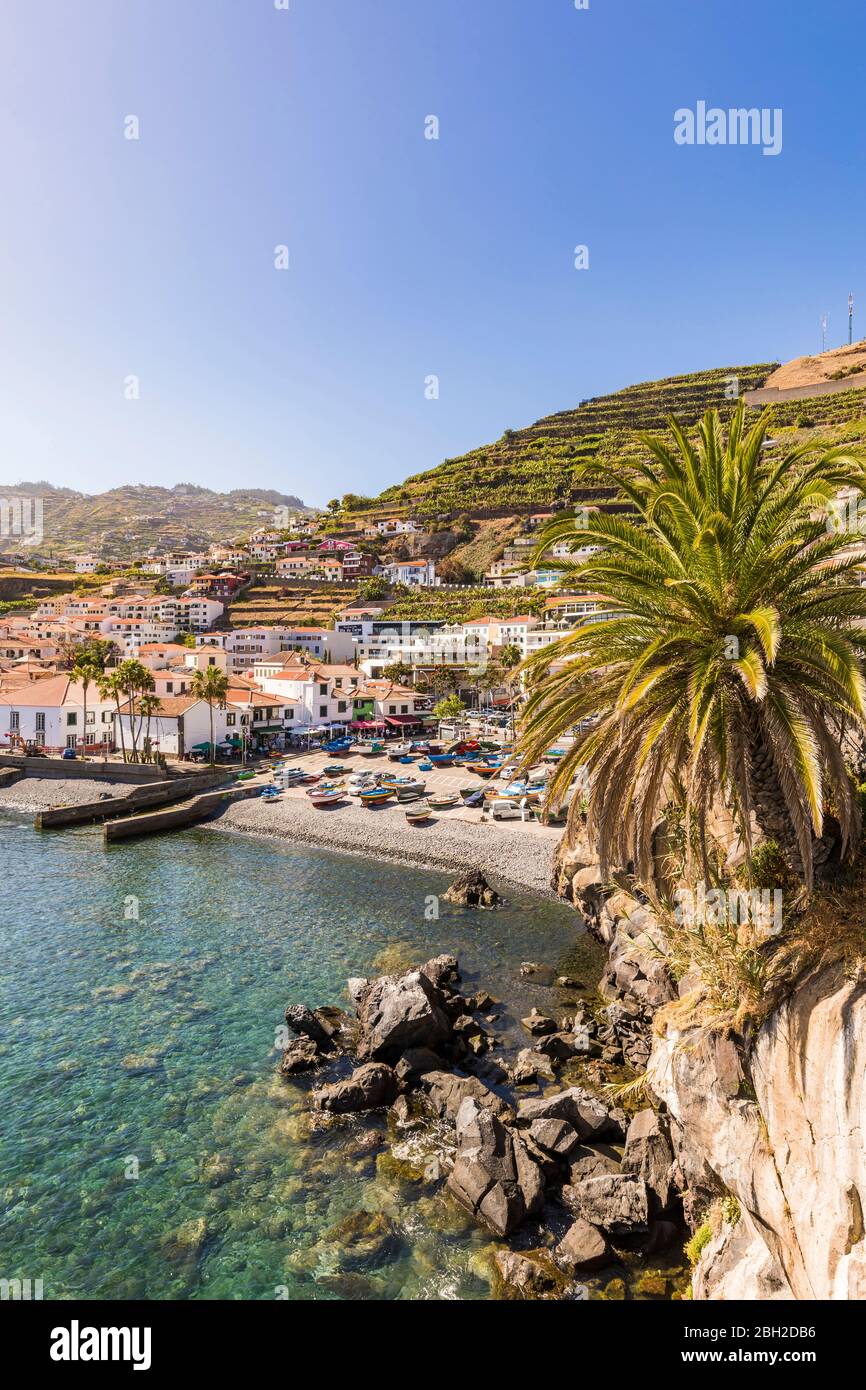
(41, 793)
(507, 852)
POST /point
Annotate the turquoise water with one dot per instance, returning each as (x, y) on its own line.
(194, 1171)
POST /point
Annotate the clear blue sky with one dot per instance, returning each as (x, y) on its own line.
(409, 257)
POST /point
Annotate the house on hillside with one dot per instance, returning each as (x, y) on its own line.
(421, 573)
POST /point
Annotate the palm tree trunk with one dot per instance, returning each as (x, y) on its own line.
(84, 685)
(212, 750)
(771, 811)
(120, 726)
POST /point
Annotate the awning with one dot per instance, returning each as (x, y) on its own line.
(367, 724)
(401, 719)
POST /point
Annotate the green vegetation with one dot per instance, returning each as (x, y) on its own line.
(539, 467)
(700, 1240)
(451, 707)
(126, 521)
(733, 656)
(212, 686)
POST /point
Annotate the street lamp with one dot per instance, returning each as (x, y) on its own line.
(850, 318)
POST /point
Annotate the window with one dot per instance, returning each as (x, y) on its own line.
(341, 706)
(288, 714)
(323, 689)
(70, 740)
(230, 720)
(72, 719)
(91, 717)
(14, 720)
(404, 709)
(392, 709)
(40, 722)
(323, 711)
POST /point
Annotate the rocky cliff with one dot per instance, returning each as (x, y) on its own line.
(768, 1135)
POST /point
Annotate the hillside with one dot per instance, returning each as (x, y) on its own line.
(128, 521)
(535, 467)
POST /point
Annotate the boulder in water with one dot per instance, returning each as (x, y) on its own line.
(471, 889)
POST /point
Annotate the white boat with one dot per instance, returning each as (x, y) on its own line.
(327, 798)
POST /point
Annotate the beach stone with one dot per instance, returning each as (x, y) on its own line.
(568, 982)
(304, 1022)
(648, 1153)
(368, 1088)
(415, 1061)
(580, 1108)
(583, 1247)
(398, 1012)
(355, 987)
(185, 1244)
(447, 1092)
(528, 1274)
(538, 1024)
(591, 1162)
(139, 1063)
(541, 974)
(442, 971)
(559, 1047)
(493, 1176)
(300, 1056)
(576, 1105)
(529, 1065)
(217, 1169)
(471, 889)
(365, 1238)
(554, 1137)
(618, 1204)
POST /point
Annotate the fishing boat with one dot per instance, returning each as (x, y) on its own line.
(271, 793)
(425, 766)
(401, 784)
(417, 815)
(482, 769)
(335, 770)
(442, 759)
(326, 796)
(371, 750)
(375, 796)
(443, 801)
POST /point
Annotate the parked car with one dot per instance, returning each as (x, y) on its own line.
(69, 753)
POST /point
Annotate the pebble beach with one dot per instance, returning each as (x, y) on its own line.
(506, 851)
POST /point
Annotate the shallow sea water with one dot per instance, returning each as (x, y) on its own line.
(148, 1148)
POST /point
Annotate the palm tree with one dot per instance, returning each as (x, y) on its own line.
(134, 679)
(509, 657)
(211, 685)
(111, 688)
(148, 706)
(728, 658)
(89, 667)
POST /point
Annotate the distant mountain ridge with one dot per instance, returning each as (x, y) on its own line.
(126, 521)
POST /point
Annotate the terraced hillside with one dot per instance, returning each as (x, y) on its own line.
(534, 468)
(309, 604)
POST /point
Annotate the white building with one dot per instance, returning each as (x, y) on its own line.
(396, 526)
(244, 645)
(412, 572)
(50, 713)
